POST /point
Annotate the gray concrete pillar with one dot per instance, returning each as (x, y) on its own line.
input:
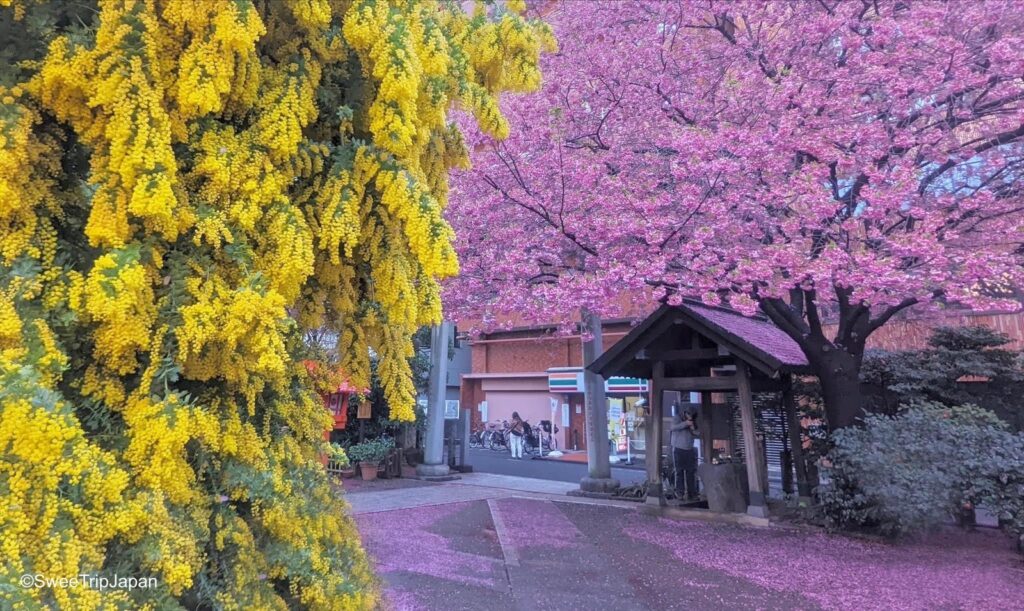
(433, 441)
(599, 472)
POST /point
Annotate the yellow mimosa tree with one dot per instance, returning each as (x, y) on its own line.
(186, 186)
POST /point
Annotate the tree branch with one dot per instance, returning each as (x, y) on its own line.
(781, 314)
(849, 315)
(997, 140)
(892, 311)
(543, 214)
(811, 307)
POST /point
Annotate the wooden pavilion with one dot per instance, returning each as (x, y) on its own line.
(693, 347)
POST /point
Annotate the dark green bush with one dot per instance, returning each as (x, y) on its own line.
(915, 470)
(961, 365)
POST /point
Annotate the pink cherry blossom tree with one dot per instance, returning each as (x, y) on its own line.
(816, 161)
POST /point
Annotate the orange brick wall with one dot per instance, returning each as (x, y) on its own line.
(914, 333)
(470, 396)
(524, 355)
(521, 352)
(478, 358)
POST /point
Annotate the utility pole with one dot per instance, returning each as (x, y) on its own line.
(599, 472)
(433, 442)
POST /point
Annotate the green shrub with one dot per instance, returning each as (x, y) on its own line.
(337, 455)
(373, 451)
(954, 354)
(915, 470)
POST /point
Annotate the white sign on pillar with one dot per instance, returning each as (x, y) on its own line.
(483, 411)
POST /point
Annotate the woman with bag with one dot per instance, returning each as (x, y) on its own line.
(516, 436)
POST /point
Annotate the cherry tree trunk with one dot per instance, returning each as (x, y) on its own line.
(839, 375)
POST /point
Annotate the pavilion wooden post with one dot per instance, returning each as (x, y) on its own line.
(758, 505)
(803, 486)
(707, 436)
(730, 441)
(704, 422)
(652, 452)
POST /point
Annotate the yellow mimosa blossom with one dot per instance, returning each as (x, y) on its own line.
(119, 298)
(188, 188)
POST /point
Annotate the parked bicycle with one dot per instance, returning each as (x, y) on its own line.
(541, 436)
(476, 438)
(495, 437)
(531, 440)
(547, 434)
(668, 487)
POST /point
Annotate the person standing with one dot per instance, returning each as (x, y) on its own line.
(684, 456)
(516, 436)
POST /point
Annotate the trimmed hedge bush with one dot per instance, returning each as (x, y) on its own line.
(917, 469)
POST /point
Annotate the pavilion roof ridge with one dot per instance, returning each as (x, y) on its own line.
(755, 339)
(691, 301)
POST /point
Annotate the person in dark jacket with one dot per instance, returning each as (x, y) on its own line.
(684, 456)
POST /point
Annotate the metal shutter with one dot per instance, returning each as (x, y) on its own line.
(770, 421)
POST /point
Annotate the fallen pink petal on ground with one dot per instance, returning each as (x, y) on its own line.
(558, 554)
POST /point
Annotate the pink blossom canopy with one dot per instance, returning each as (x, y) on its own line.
(864, 154)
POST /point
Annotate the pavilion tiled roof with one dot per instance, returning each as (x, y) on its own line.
(754, 339)
(760, 333)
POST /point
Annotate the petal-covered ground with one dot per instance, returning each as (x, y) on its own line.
(517, 553)
(946, 571)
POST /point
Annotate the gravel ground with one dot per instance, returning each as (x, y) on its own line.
(560, 555)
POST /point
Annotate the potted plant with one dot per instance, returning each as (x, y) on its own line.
(369, 455)
(338, 461)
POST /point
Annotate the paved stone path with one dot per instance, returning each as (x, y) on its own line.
(471, 487)
(501, 542)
